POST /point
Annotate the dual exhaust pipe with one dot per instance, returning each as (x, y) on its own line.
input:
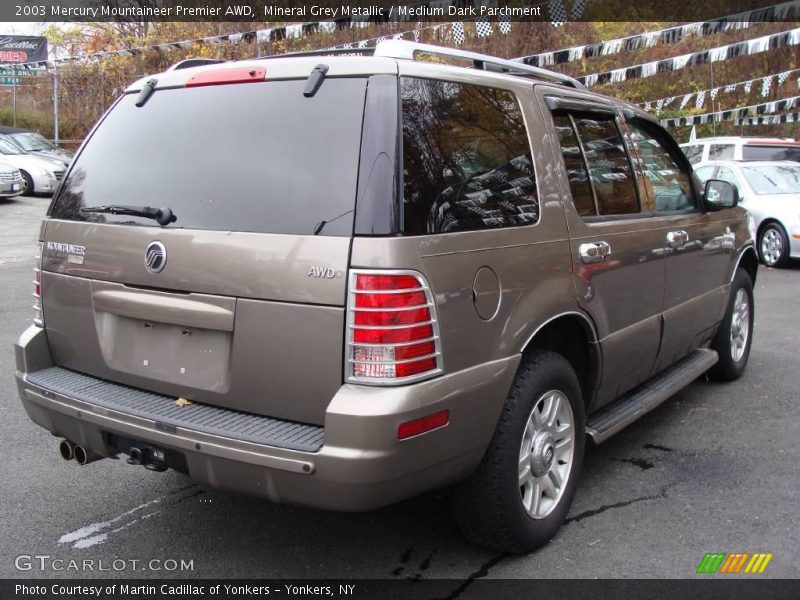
(70, 450)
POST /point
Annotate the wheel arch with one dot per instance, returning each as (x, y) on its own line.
(748, 260)
(573, 336)
(765, 223)
(26, 174)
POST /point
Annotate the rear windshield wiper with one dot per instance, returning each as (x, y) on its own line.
(163, 216)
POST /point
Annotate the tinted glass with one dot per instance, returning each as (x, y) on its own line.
(670, 183)
(609, 166)
(720, 151)
(750, 152)
(254, 157)
(466, 159)
(694, 153)
(576, 168)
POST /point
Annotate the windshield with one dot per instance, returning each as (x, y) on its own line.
(32, 141)
(257, 157)
(773, 179)
(9, 148)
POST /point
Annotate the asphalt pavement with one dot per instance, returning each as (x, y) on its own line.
(714, 469)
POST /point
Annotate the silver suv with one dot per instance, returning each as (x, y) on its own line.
(341, 281)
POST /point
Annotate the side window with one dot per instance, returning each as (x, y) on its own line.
(694, 153)
(466, 159)
(720, 151)
(705, 173)
(609, 165)
(726, 174)
(576, 167)
(669, 181)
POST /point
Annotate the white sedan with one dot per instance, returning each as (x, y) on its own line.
(40, 175)
(770, 191)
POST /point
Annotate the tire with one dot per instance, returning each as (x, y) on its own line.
(28, 190)
(735, 335)
(489, 506)
(773, 245)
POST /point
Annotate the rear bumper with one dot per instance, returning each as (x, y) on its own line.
(360, 466)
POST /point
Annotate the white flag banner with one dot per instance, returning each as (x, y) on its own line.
(457, 31)
(744, 48)
(672, 35)
(557, 13)
(765, 85)
(701, 99)
(483, 28)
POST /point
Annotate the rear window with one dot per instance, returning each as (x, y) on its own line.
(255, 157)
(466, 159)
(752, 152)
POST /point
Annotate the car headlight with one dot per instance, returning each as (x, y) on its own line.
(751, 225)
(47, 173)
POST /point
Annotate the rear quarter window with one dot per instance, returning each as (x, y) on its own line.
(721, 151)
(694, 153)
(466, 159)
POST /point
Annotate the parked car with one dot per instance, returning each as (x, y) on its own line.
(408, 279)
(36, 144)
(741, 148)
(771, 192)
(40, 175)
(11, 183)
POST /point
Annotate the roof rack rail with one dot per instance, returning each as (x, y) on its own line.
(188, 63)
(329, 52)
(408, 50)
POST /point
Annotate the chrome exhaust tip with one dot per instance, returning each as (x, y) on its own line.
(66, 449)
(84, 456)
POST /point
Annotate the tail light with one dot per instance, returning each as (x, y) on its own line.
(392, 329)
(38, 317)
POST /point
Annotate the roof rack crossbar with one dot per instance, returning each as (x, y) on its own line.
(408, 50)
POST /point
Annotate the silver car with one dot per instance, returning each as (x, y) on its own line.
(39, 175)
(770, 190)
(11, 183)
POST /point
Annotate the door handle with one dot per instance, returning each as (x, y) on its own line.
(594, 251)
(676, 239)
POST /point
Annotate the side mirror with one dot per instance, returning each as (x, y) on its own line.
(720, 194)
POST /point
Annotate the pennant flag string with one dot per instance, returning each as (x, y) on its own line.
(748, 83)
(769, 119)
(777, 106)
(671, 35)
(744, 48)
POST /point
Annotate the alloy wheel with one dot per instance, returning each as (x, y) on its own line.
(546, 454)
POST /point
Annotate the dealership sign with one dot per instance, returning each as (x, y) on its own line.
(22, 48)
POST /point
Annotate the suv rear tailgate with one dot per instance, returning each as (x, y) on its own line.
(248, 310)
